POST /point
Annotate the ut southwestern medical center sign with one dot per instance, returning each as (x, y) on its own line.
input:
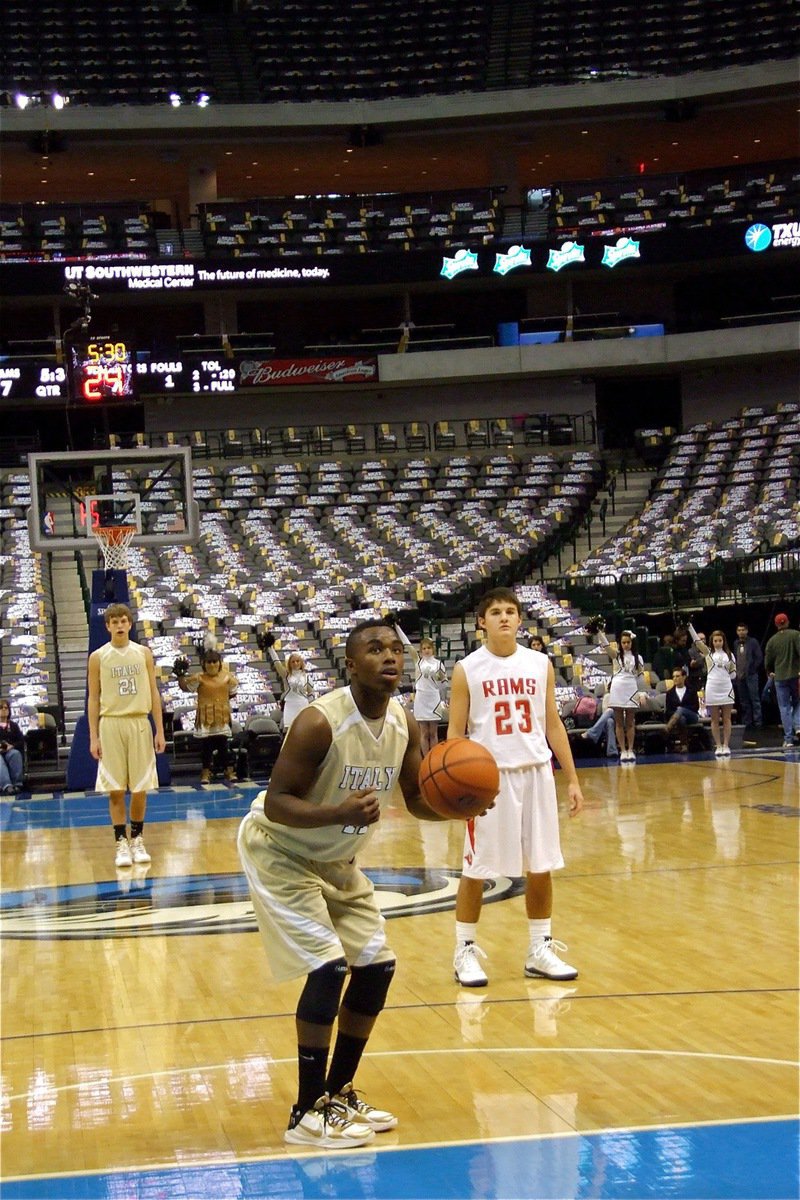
(183, 275)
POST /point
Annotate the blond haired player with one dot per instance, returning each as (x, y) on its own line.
(122, 694)
(503, 695)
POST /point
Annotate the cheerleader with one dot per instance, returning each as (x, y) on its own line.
(298, 691)
(719, 697)
(429, 672)
(626, 684)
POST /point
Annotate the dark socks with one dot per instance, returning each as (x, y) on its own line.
(346, 1056)
(120, 832)
(312, 1062)
(136, 829)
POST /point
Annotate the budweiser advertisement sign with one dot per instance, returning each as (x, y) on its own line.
(256, 372)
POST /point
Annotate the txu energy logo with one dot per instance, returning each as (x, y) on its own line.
(200, 904)
(758, 237)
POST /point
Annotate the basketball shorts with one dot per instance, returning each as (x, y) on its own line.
(309, 913)
(129, 759)
(520, 834)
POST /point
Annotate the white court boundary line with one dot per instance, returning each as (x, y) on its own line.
(279, 1062)
(281, 1156)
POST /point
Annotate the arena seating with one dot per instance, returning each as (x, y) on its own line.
(27, 645)
(298, 227)
(724, 492)
(303, 547)
(370, 52)
(694, 199)
(312, 50)
(547, 43)
(59, 46)
(76, 230)
(292, 226)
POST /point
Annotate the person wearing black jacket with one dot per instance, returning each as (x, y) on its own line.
(682, 705)
(12, 747)
(749, 660)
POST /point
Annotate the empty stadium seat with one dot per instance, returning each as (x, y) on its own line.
(476, 433)
(444, 437)
(354, 439)
(416, 436)
(502, 433)
(385, 439)
(292, 441)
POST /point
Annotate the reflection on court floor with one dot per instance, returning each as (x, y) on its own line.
(146, 1052)
(740, 1161)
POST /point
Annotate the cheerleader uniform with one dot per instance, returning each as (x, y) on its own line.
(625, 681)
(719, 680)
(427, 698)
(296, 697)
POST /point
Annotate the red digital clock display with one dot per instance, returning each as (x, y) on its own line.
(102, 372)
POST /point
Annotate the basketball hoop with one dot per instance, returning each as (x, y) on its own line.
(114, 541)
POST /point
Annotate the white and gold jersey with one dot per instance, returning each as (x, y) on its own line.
(124, 681)
(357, 760)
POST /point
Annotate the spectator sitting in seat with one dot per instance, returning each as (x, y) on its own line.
(682, 707)
(604, 727)
(12, 744)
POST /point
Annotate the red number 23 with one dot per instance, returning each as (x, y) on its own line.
(503, 719)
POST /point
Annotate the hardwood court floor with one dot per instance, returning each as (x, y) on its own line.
(141, 1032)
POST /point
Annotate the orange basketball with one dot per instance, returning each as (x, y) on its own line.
(458, 778)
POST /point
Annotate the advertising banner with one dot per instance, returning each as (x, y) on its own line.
(344, 368)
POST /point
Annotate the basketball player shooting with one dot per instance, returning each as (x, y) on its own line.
(316, 910)
(503, 695)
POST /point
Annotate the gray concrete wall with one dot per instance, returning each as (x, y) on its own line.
(720, 373)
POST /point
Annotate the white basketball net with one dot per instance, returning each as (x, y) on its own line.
(114, 542)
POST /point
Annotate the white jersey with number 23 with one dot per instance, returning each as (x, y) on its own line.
(507, 698)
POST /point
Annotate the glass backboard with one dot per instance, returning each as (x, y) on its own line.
(74, 492)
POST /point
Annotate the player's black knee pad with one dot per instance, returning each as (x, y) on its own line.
(319, 999)
(368, 986)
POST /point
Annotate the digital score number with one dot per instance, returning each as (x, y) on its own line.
(25, 379)
(102, 371)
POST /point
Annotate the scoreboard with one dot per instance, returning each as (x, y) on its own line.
(207, 374)
(104, 371)
(107, 371)
(32, 379)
